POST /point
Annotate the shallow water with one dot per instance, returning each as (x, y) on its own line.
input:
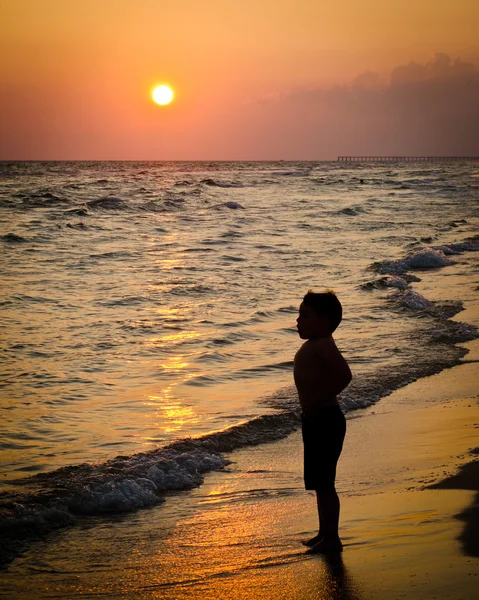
(147, 303)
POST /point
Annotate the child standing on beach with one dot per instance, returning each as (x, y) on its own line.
(320, 374)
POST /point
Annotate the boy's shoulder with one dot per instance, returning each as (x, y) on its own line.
(322, 343)
(319, 346)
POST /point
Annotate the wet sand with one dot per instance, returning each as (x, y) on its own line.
(409, 521)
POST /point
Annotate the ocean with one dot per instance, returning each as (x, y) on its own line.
(148, 314)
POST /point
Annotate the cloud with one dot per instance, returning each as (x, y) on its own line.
(422, 109)
(419, 109)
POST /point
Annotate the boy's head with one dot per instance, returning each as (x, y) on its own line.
(319, 314)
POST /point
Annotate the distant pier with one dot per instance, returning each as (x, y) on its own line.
(405, 158)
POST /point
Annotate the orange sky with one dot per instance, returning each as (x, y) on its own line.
(256, 79)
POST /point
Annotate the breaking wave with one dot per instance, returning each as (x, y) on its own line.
(427, 258)
(222, 184)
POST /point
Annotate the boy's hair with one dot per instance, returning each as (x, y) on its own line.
(326, 304)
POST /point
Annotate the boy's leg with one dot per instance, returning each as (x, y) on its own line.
(323, 442)
(328, 509)
(315, 539)
(327, 540)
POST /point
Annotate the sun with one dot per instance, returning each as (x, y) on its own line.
(163, 95)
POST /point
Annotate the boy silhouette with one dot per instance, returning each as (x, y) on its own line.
(320, 374)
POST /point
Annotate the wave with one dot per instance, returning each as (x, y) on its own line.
(13, 238)
(222, 184)
(291, 173)
(240, 375)
(107, 203)
(40, 199)
(126, 300)
(352, 211)
(55, 500)
(229, 204)
(114, 254)
(404, 297)
(82, 211)
(390, 281)
(434, 257)
(79, 226)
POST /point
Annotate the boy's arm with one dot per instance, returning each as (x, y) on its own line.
(337, 374)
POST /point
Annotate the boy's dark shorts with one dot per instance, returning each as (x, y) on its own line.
(323, 436)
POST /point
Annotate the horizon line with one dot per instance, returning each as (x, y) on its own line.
(341, 158)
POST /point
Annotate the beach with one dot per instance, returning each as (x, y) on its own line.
(178, 180)
(401, 536)
(406, 524)
(152, 445)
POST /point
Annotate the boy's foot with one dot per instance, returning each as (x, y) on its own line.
(326, 547)
(314, 540)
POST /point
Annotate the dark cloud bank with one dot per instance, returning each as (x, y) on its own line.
(424, 109)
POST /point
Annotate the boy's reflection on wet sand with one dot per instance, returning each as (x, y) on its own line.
(338, 584)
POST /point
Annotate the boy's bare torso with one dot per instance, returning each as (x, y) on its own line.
(320, 373)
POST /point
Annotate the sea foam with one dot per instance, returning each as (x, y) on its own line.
(426, 258)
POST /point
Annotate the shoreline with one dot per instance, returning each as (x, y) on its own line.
(239, 533)
(404, 525)
(410, 500)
